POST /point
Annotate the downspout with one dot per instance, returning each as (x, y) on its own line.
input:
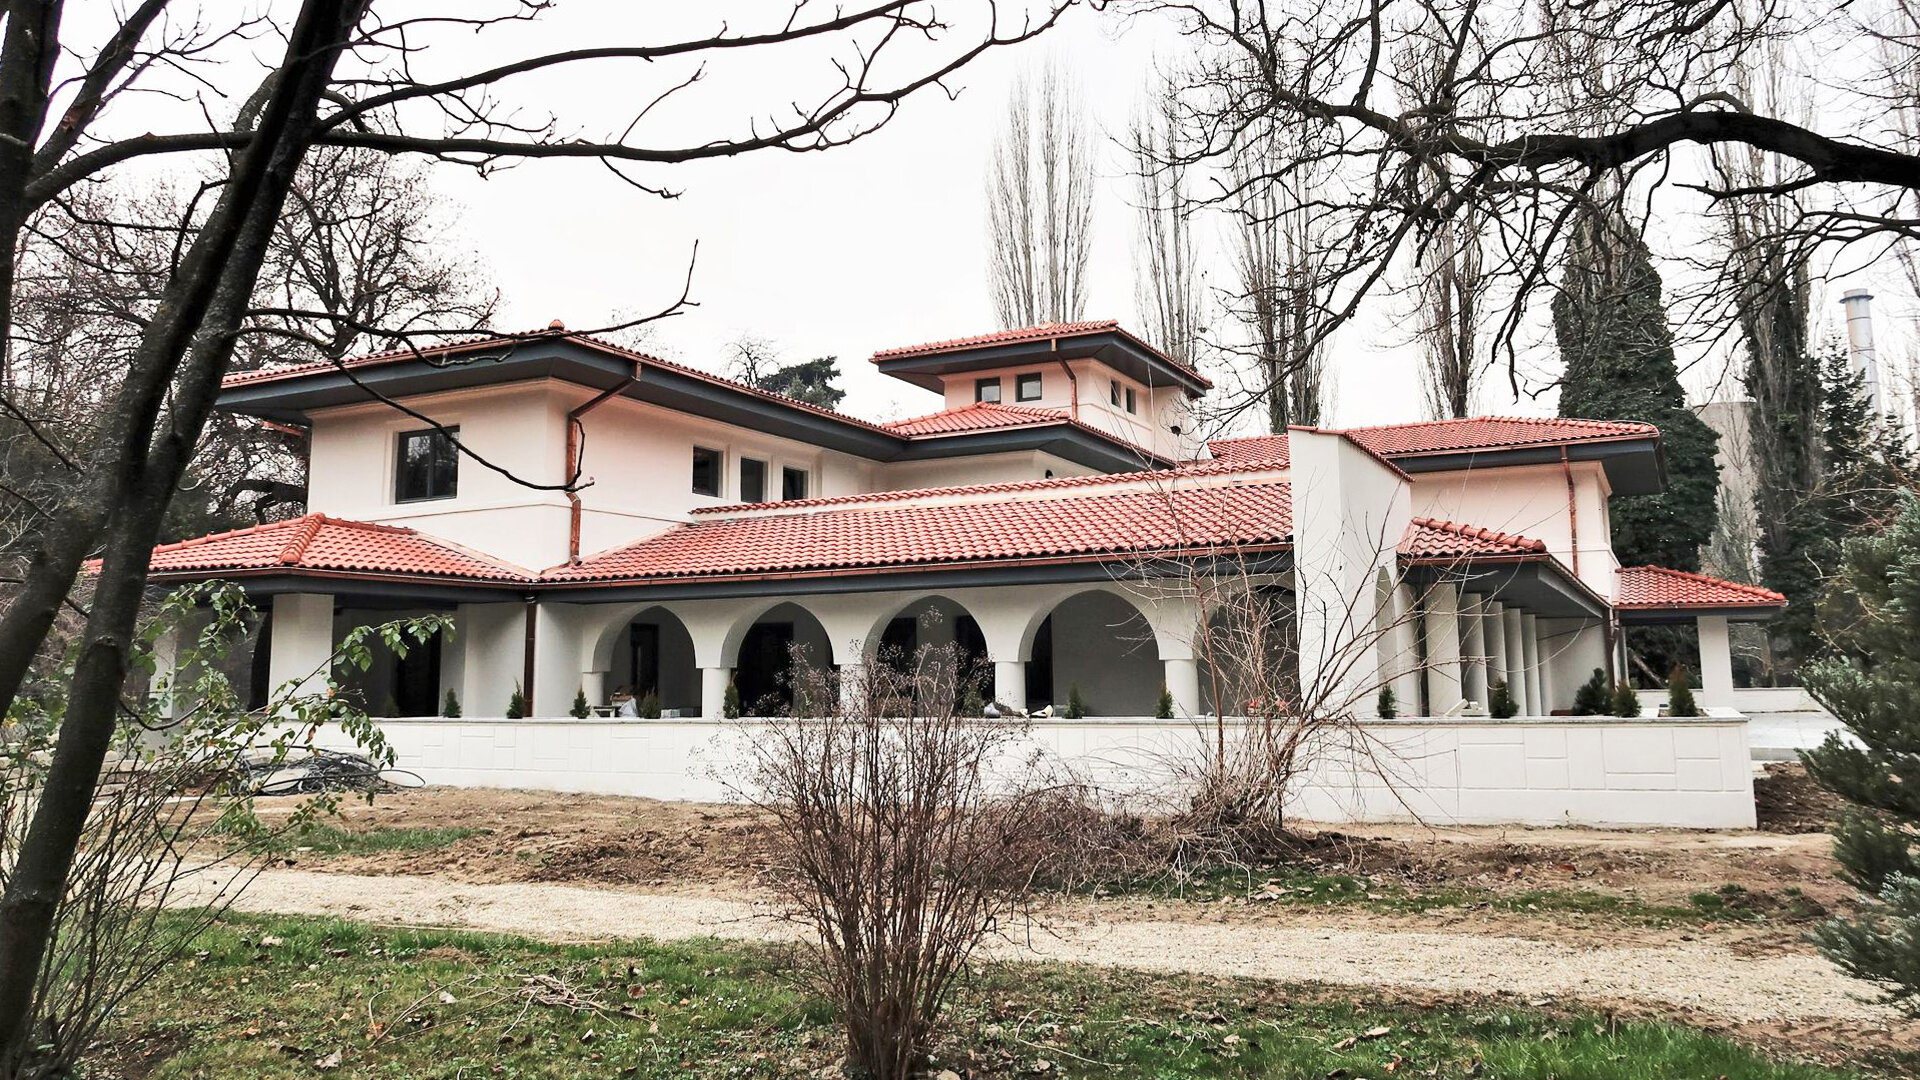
(1573, 509)
(575, 432)
(1073, 383)
(526, 663)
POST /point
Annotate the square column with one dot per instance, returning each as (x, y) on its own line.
(713, 691)
(1405, 642)
(1441, 619)
(1183, 682)
(1716, 663)
(1473, 668)
(302, 643)
(1537, 702)
(1010, 684)
(1496, 633)
(1519, 679)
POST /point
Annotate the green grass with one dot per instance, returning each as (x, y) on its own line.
(320, 838)
(277, 997)
(1296, 887)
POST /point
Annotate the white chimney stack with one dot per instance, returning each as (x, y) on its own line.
(1860, 345)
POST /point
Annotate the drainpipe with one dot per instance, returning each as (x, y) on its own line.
(1573, 510)
(526, 664)
(1073, 384)
(575, 432)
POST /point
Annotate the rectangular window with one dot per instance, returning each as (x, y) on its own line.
(428, 465)
(793, 483)
(1131, 403)
(753, 480)
(986, 390)
(706, 471)
(1113, 391)
(1027, 387)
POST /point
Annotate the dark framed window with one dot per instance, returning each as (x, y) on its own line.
(1132, 404)
(793, 483)
(986, 390)
(427, 466)
(706, 471)
(1113, 391)
(1027, 387)
(753, 480)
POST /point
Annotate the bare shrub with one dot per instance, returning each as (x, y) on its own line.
(171, 839)
(904, 834)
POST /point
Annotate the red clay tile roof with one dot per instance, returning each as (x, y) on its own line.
(1657, 587)
(979, 416)
(1431, 538)
(1074, 527)
(1449, 436)
(1041, 332)
(318, 542)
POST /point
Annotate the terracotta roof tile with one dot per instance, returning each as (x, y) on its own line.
(318, 542)
(979, 416)
(1040, 332)
(1449, 436)
(1431, 538)
(1075, 526)
(1657, 587)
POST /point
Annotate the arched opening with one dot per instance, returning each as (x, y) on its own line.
(1249, 654)
(937, 630)
(763, 675)
(393, 685)
(1099, 644)
(653, 655)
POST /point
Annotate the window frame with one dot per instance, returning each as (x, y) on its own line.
(787, 474)
(1113, 392)
(1021, 382)
(719, 471)
(743, 495)
(1133, 405)
(980, 387)
(448, 432)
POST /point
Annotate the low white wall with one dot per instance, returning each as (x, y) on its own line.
(1758, 699)
(1689, 773)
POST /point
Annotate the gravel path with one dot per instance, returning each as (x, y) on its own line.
(1695, 975)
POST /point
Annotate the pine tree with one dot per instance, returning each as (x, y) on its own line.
(810, 381)
(1163, 710)
(1611, 327)
(1869, 679)
(450, 707)
(1076, 705)
(1500, 703)
(1388, 707)
(581, 710)
(516, 704)
(1625, 701)
(730, 702)
(1594, 696)
(1680, 695)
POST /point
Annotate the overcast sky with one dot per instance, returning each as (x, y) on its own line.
(877, 244)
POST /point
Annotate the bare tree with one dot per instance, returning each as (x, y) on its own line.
(1280, 255)
(1168, 281)
(1040, 203)
(347, 77)
(904, 834)
(1450, 292)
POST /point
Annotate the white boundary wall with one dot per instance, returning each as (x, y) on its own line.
(1691, 773)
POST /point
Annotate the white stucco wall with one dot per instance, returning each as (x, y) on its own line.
(1531, 500)
(1157, 409)
(1015, 467)
(1686, 774)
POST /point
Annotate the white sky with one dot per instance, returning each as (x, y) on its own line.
(878, 244)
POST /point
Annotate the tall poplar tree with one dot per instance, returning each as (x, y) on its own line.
(1611, 326)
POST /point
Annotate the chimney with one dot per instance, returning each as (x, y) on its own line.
(1860, 345)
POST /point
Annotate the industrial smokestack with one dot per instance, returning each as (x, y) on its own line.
(1860, 345)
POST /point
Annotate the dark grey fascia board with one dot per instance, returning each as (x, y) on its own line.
(363, 592)
(1684, 616)
(1075, 444)
(1634, 466)
(1109, 348)
(290, 400)
(895, 581)
(1532, 585)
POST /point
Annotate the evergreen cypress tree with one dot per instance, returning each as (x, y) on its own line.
(1500, 703)
(581, 710)
(451, 706)
(1625, 701)
(1594, 696)
(516, 704)
(1870, 680)
(1611, 327)
(1387, 706)
(1680, 695)
(730, 702)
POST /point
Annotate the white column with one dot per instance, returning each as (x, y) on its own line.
(1010, 684)
(1716, 663)
(1183, 682)
(1442, 622)
(302, 642)
(492, 642)
(1406, 652)
(1519, 679)
(713, 691)
(166, 671)
(853, 687)
(1473, 667)
(1537, 703)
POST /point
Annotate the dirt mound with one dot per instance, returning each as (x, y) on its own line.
(1788, 801)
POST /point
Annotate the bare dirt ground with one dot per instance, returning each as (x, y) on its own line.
(591, 867)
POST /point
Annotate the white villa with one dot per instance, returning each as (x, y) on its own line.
(1049, 510)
